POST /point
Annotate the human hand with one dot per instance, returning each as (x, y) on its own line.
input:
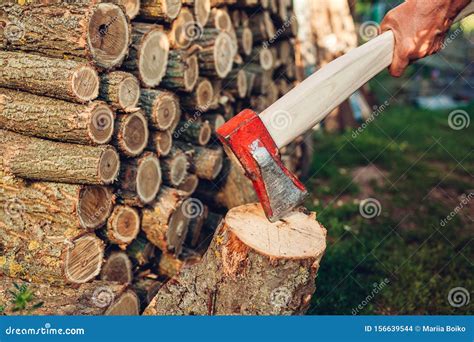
(419, 28)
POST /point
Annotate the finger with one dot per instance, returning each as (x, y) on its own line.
(398, 66)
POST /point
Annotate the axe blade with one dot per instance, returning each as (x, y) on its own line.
(246, 139)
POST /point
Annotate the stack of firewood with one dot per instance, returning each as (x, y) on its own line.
(108, 111)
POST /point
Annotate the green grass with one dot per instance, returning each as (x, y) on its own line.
(422, 260)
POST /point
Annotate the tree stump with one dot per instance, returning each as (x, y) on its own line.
(252, 267)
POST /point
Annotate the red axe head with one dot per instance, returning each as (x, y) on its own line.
(248, 139)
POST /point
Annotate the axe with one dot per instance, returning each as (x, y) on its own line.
(254, 139)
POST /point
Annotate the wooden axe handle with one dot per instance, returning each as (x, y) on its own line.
(307, 104)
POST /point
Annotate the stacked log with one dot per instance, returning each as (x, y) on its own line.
(111, 174)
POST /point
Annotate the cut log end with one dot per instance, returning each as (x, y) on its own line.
(134, 135)
(132, 7)
(189, 185)
(153, 57)
(178, 227)
(94, 206)
(178, 167)
(109, 166)
(85, 83)
(191, 73)
(205, 133)
(280, 239)
(108, 35)
(127, 304)
(117, 268)
(204, 94)
(123, 225)
(180, 35)
(246, 41)
(224, 52)
(101, 125)
(129, 93)
(266, 59)
(162, 142)
(202, 9)
(166, 111)
(148, 178)
(242, 85)
(83, 259)
(172, 8)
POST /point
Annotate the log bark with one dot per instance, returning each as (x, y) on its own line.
(253, 267)
(123, 226)
(82, 30)
(182, 72)
(140, 179)
(196, 132)
(166, 222)
(121, 90)
(217, 54)
(117, 268)
(94, 298)
(148, 55)
(39, 159)
(45, 117)
(206, 163)
(161, 142)
(131, 133)
(52, 206)
(201, 98)
(160, 10)
(63, 79)
(160, 107)
(175, 167)
(61, 258)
